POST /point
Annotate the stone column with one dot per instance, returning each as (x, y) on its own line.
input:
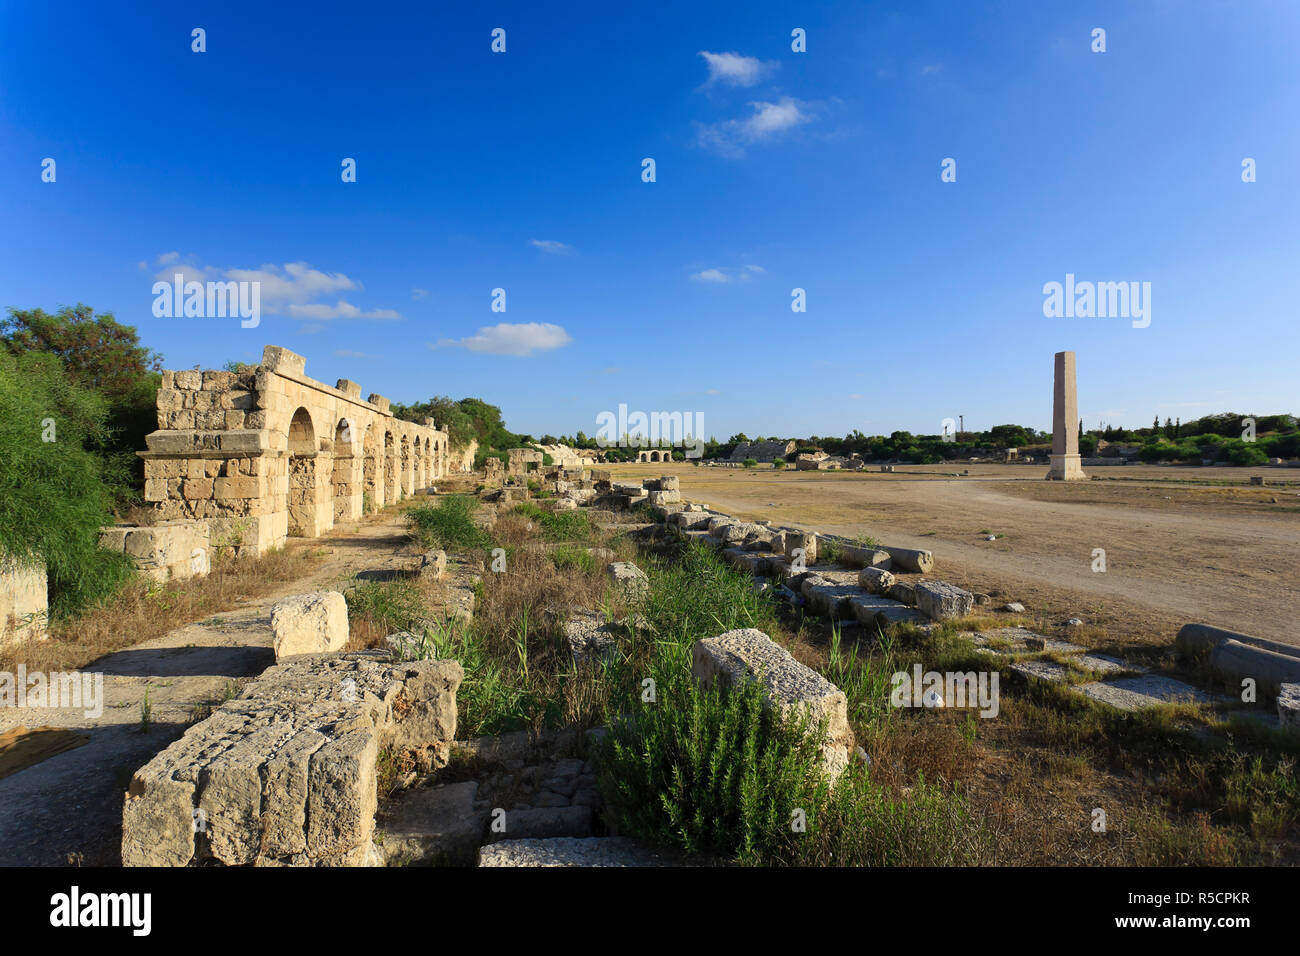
(1065, 423)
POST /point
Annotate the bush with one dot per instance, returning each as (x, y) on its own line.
(713, 772)
(448, 525)
(749, 462)
(53, 499)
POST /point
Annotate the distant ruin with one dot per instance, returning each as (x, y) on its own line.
(266, 452)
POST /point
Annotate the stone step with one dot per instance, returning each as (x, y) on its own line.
(542, 823)
(589, 851)
(1137, 693)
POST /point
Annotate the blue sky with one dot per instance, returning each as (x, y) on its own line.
(775, 170)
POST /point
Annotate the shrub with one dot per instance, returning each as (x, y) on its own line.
(713, 772)
(749, 462)
(53, 500)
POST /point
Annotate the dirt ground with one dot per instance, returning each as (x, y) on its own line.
(1181, 544)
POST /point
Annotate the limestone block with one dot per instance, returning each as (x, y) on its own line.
(876, 580)
(24, 600)
(277, 359)
(941, 601)
(908, 559)
(433, 564)
(314, 623)
(795, 540)
(791, 687)
(628, 578)
(1288, 706)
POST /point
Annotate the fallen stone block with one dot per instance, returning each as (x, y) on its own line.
(903, 592)
(875, 580)
(942, 602)
(433, 564)
(285, 774)
(908, 559)
(1199, 640)
(628, 579)
(315, 623)
(665, 497)
(831, 600)
(1234, 661)
(692, 520)
(1136, 693)
(591, 637)
(749, 654)
(1042, 670)
(801, 544)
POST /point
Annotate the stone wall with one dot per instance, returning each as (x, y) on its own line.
(267, 452)
(173, 549)
(286, 773)
(24, 601)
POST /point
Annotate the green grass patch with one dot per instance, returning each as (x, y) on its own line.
(448, 525)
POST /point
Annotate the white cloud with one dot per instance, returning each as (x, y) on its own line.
(419, 293)
(721, 274)
(512, 339)
(734, 69)
(553, 247)
(348, 353)
(339, 310)
(287, 289)
(768, 121)
(931, 68)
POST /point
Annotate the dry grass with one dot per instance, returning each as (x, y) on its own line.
(143, 611)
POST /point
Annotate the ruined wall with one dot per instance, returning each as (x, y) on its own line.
(267, 452)
(24, 608)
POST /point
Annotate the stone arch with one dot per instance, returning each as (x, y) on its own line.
(372, 475)
(305, 480)
(429, 473)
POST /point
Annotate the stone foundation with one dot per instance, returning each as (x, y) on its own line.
(286, 773)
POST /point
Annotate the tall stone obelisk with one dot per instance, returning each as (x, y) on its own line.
(1065, 423)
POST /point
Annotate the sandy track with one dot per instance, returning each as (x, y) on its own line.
(1187, 553)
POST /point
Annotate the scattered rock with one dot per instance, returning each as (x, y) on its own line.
(315, 623)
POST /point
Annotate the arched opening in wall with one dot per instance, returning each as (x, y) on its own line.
(343, 481)
(407, 489)
(390, 469)
(372, 497)
(430, 472)
(303, 519)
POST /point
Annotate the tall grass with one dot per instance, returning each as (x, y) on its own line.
(448, 525)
